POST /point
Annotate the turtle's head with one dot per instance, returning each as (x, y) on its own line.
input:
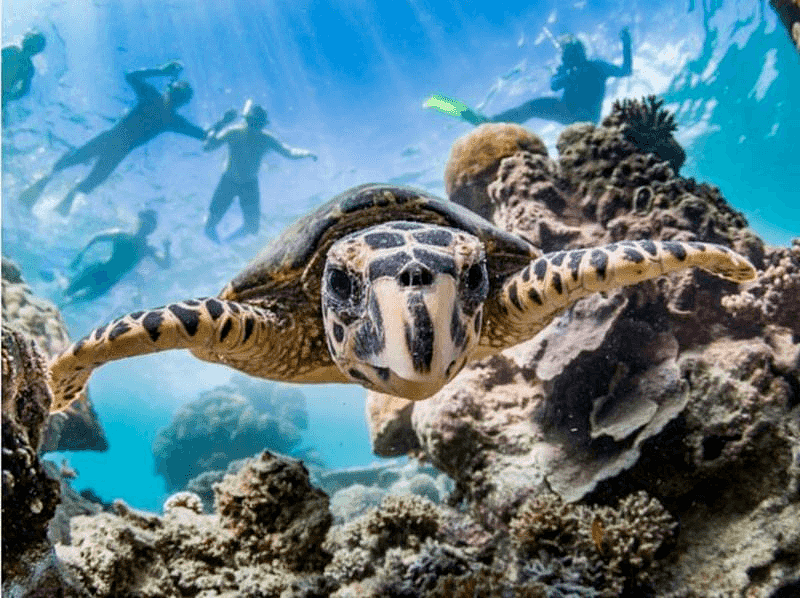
(402, 304)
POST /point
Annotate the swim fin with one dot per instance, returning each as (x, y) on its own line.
(454, 107)
(30, 196)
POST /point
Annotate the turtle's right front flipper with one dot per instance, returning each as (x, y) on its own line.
(212, 326)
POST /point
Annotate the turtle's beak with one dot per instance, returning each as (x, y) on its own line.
(422, 349)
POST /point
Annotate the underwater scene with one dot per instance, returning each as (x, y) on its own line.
(414, 298)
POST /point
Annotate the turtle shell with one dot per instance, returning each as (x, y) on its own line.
(298, 254)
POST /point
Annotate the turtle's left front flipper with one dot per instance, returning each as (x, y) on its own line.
(216, 328)
(535, 295)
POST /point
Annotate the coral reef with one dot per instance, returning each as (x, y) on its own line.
(265, 541)
(30, 496)
(680, 387)
(229, 422)
(77, 428)
(356, 489)
(614, 547)
(772, 299)
(475, 158)
(574, 455)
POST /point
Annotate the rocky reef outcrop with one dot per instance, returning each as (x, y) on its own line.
(30, 496)
(226, 423)
(685, 388)
(77, 428)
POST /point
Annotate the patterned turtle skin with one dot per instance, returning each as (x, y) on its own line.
(386, 287)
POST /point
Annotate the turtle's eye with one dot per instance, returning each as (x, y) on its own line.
(475, 277)
(339, 283)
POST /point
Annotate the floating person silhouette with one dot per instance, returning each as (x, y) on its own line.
(153, 114)
(247, 145)
(127, 250)
(583, 82)
(18, 69)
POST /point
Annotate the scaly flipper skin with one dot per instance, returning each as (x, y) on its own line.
(534, 296)
(217, 330)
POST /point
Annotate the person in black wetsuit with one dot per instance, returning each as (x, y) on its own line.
(247, 145)
(18, 69)
(583, 82)
(127, 250)
(153, 114)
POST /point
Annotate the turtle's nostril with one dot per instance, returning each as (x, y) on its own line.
(415, 275)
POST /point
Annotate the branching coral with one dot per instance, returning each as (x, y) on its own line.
(645, 119)
(773, 297)
(360, 547)
(649, 126)
(615, 545)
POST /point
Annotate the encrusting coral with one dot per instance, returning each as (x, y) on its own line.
(30, 496)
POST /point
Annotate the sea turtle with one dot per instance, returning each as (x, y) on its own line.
(387, 287)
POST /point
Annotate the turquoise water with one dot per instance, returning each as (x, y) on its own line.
(347, 81)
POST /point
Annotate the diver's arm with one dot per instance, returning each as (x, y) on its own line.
(217, 135)
(613, 70)
(184, 127)
(137, 79)
(561, 78)
(164, 261)
(292, 153)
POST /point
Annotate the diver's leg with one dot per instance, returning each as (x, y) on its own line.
(220, 203)
(80, 155)
(105, 165)
(550, 108)
(91, 282)
(251, 210)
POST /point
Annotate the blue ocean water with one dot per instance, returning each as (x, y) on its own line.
(345, 79)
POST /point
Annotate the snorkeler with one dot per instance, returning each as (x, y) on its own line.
(18, 69)
(583, 82)
(247, 144)
(153, 114)
(127, 250)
